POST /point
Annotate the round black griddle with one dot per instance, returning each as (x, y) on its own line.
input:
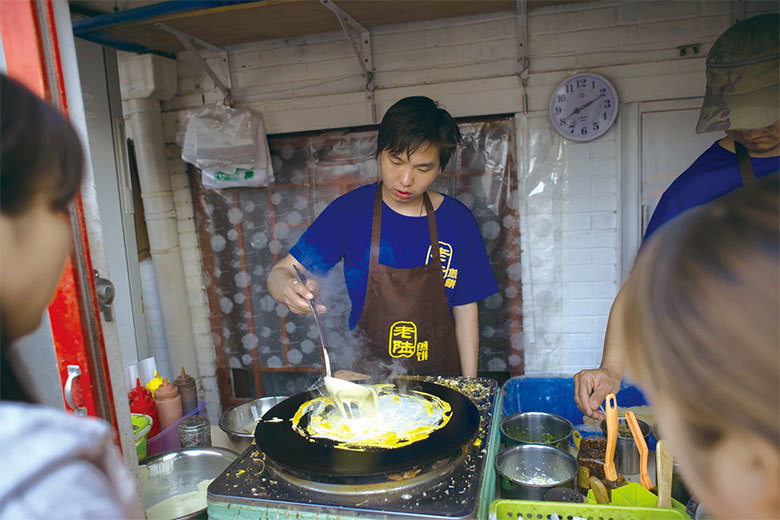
(288, 448)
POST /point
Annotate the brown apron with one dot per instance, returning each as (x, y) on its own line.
(745, 166)
(406, 319)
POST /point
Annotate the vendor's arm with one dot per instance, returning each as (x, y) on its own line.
(592, 386)
(285, 288)
(467, 337)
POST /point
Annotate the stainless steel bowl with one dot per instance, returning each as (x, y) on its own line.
(519, 468)
(536, 428)
(178, 472)
(238, 421)
(626, 453)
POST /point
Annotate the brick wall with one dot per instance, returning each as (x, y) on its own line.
(571, 229)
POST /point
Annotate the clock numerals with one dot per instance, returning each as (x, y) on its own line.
(583, 107)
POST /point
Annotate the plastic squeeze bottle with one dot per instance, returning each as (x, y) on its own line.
(154, 383)
(168, 404)
(141, 402)
(188, 391)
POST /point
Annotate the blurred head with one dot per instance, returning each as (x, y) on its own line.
(703, 340)
(743, 77)
(41, 163)
(415, 142)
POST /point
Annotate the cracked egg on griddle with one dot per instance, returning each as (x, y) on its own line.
(401, 419)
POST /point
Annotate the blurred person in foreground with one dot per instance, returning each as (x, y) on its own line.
(702, 338)
(743, 101)
(54, 465)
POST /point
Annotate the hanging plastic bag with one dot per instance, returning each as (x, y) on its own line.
(229, 146)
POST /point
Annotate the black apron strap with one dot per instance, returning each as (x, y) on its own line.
(745, 167)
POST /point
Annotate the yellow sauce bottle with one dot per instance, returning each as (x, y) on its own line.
(154, 383)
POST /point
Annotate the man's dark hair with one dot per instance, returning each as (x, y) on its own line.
(414, 121)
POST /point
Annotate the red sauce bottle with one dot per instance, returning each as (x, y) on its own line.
(141, 402)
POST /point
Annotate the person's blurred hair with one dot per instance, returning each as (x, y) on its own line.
(40, 151)
(40, 155)
(416, 121)
(702, 315)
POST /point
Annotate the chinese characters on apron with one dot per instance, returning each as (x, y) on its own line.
(406, 319)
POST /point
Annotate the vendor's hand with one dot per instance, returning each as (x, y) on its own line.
(591, 387)
(296, 296)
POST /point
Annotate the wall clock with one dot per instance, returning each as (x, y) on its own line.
(583, 106)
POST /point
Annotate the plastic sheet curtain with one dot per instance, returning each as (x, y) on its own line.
(262, 348)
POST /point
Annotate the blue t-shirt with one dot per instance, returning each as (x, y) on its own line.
(712, 175)
(343, 231)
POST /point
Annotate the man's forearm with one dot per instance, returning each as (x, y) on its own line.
(612, 357)
(467, 337)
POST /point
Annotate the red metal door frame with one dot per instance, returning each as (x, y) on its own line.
(32, 56)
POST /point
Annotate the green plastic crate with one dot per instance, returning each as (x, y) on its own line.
(528, 510)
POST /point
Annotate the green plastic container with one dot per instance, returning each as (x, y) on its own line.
(519, 509)
(634, 495)
(142, 423)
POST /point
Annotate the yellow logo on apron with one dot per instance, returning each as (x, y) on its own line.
(403, 339)
(445, 255)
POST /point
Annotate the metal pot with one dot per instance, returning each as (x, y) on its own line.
(626, 453)
(179, 472)
(536, 428)
(519, 465)
(239, 421)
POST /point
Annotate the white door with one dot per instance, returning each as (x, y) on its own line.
(660, 142)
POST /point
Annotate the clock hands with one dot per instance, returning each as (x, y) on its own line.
(580, 108)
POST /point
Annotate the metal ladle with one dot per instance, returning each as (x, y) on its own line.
(352, 400)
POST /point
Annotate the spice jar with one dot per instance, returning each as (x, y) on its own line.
(168, 403)
(590, 460)
(188, 391)
(195, 432)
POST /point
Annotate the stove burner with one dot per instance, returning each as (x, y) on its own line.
(428, 478)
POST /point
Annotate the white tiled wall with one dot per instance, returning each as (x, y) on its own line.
(571, 246)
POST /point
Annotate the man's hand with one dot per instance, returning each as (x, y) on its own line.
(285, 288)
(591, 388)
(297, 295)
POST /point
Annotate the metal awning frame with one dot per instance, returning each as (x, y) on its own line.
(189, 43)
(361, 48)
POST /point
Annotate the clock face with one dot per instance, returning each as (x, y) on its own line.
(583, 107)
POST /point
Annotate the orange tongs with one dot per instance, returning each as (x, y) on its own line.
(612, 430)
(641, 445)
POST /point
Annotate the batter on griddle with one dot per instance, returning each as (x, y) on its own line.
(403, 418)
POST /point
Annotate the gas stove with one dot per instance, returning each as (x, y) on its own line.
(460, 486)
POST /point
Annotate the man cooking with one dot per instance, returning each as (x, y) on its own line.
(413, 305)
(741, 100)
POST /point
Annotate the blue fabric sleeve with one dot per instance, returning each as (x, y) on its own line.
(323, 245)
(477, 281)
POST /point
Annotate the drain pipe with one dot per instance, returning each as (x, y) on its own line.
(145, 81)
